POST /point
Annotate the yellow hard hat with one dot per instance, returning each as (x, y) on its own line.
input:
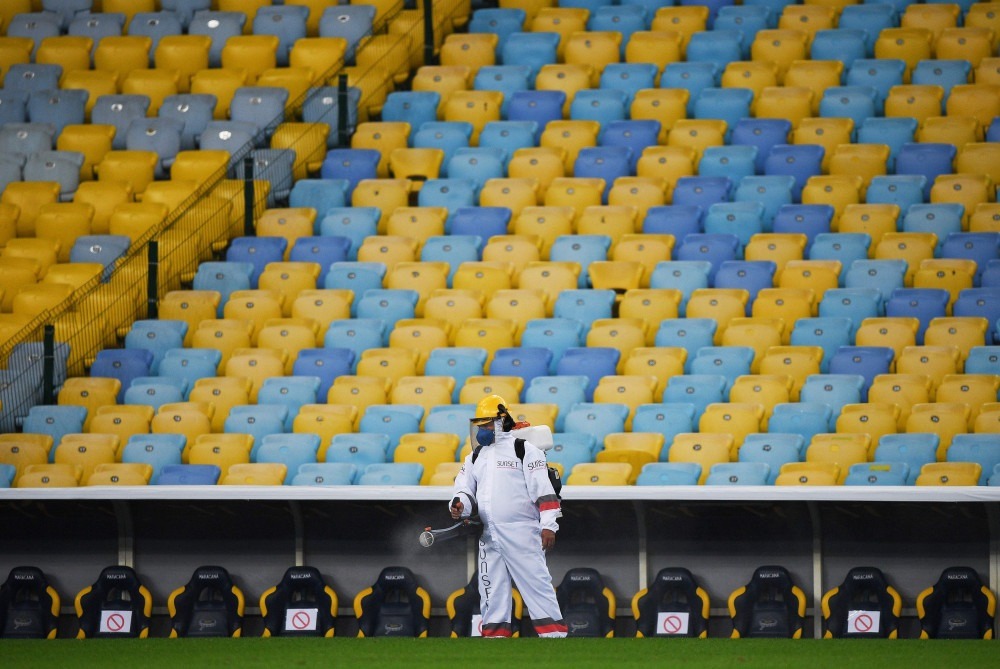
(489, 406)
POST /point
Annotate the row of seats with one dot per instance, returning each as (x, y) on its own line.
(957, 606)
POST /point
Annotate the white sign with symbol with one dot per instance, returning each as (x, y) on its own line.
(300, 620)
(116, 622)
(863, 622)
(672, 622)
(477, 625)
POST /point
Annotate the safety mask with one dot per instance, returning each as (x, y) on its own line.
(485, 435)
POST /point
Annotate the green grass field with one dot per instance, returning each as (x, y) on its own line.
(543, 653)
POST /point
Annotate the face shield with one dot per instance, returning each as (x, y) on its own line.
(482, 431)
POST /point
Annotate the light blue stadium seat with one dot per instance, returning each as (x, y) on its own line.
(666, 419)
(194, 111)
(291, 450)
(868, 361)
(61, 167)
(32, 77)
(451, 419)
(287, 23)
(219, 26)
(290, 391)
(58, 108)
(95, 25)
(351, 22)
(686, 276)
(357, 334)
(257, 420)
(742, 219)
(263, 106)
(982, 448)
(773, 448)
(729, 361)
(387, 304)
(413, 107)
(322, 105)
(451, 193)
(506, 79)
(325, 474)
(941, 218)
(834, 390)
(55, 420)
(526, 48)
(693, 76)
(394, 420)
(597, 420)
(452, 249)
(225, 278)
(563, 391)
(478, 165)
(915, 449)
(983, 360)
(355, 275)
(13, 106)
(392, 473)
(828, 332)
(629, 77)
(582, 249)
(893, 131)
(104, 249)
(843, 246)
(944, 73)
(697, 389)
(449, 136)
(736, 161)
(358, 449)
(803, 418)
(623, 18)
(7, 475)
(739, 473)
(877, 473)
(669, 473)
(571, 449)
(994, 477)
(886, 275)
(899, 189)
(457, 362)
(509, 136)
(556, 334)
(157, 337)
(690, 334)
(319, 194)
(155, 391)
(354, 223)
(854, 102)
(880, 73)
(156, 450)
(844, 44)
(190, 364)
(584, 306)
(603, 105)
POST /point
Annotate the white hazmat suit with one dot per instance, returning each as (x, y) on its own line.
(515, 501)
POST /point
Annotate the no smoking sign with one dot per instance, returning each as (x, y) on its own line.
(116, 622)
(863, 622)
(672, 623)
(300, 620)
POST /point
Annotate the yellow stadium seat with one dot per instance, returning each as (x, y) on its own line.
(308, 140)
(647, 249)
(383, 136)
(256, 364)
(50, 476)
(420, 336)
(391, 364)
(933, 17)
(323, 306)
(842, 450)
(913, 247)
(326, 421)
(595, 48)
(29, 197)
(600, 473)
(541, 163)
(736, 419)
(123, 420)
(118, 473)
(390, 250)
(545, 224)
(122, 54)
(816, 75)
(191, 419)
(566, 77)
(470, 51)
(446, 79)
(704, 449)
(613, 221)
(157, 85)
(513, 251)
(902, 390)
(561, 20)
(425, 391)
(968, 190)
(781, 46)
(13, 50)
(254, 306)
(934, 361)
(623, 334)
(951, 274)
(90, 393)
(223, 393)
(290, 335)
(666, 105)
(323, 55)
(634, 448)
(759, 333)
(785, 304)
(390, 50)
(518, 306)
(837, 190)
(487, 333)
(476, 107)
(453, 307)
(92, 140)
(218, 82)
(816, 275)
(445, 473)
(875, 220)
(255, 473)
(415, 164)
(221, 450)
(23, 453)
(919, 101)
(988, 420)
(945, 419)
(957, 130)
(684, 19)
(865, 160)
(777, 247)
(660, 362)
(893, 332)
(427, 453)
(86, 451)
(798, 362)
(792, 103)
(289, 279)
(629, 390)
(551, 277)
(669, 163)
(949, 474)
(252, 53)
(766, 390)
(360, 392)
(808, 473)
(659, 47)
(980, 157)
(535, 413)
(962, 332)
(617, 275)
(477, 387)
(387, 195)
(576, 192)
(721, 304)
(973, 390)
(697, 134)
(826, 132)
(485, 276)
(872, 418)
(750, 74)
(515, 194)
(911, 45)
(984, 217)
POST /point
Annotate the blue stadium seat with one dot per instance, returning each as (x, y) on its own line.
(727, 104)
(879, 73)
(536, 106)
(868, 361)
(603, 105)
(697, 389)
(981, 302)
(773, 448)
(677, 220)
(224, 278)
(981, 448)
(322, 105)
(635, 134)
(156, 450)
(291, 392)
(104, 249)
(666, 419)
(56, 420)
(563, 332)
(325, 474)
(450, 419)
(693, 76)
(808, 219)
(481, 222)
(263, 106)
(257, 420)
(453, 249)
(256, 251)
(319, 194)
(592, 362)
(457, 362)
(357, 334)
(750, 275)
(597, 420)
(764, 133)
(354, 223)
(358, 276)
(527, 362)
(502, 22)
(797, 160)
(979, 246)
(736, 161)
(506, 79)
(834, 390)
(713, 248)
(927, 159)
(747, 19)
(286, 22)
(924, 304)
(893, 131)
(717, 46)
(189, 475)
(687, 333)
(387, 304)
(190, 364)
(291, 450)
(157, 337)
(584, 306)
(622, 18)
(571, 449)
(843, 246)
(742, 220)
(563, 391)
(509, 135)
(629, 77)
(326, 364)
(886, 275)
(32, 77)
(855, 304)
(877, 473)
(582, 249)
(13, 106)
(801, 418)
(528, 48)
(358, 449)
(941, 218)
(854, 102)
(944, 73)
(324, 251)
(739, 473)
(351, 22)
(391, 473)
(983, 360)
(827, 332)
(477, 165)
(394, 420)
(915, 449)
(352, 165)
(871, 18)
(844, 44)
(903, 190)
(413, 107)
(729, 361)
(669, 473)
(702, 191)
(58, 108)
(155, 391)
